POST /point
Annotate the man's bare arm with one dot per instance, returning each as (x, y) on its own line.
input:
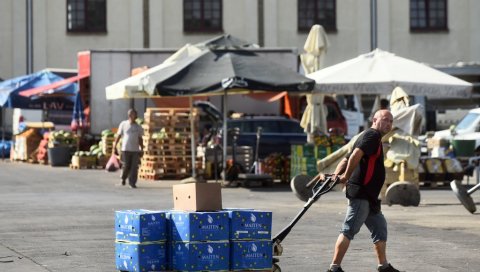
(353, 162)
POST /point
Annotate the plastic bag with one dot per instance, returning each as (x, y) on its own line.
(113, 164)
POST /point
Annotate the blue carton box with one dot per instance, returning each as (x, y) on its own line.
(199, 226)
(250, 224)
(140, 226)
(250, 255)
(200, 256)
(140, 257)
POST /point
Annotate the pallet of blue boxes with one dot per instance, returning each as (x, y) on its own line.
(186, 240)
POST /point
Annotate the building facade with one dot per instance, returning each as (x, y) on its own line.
(430, 31)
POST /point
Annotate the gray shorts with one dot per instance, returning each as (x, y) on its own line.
(358, 213)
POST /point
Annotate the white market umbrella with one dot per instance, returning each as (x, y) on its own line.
(379, 72)
(314, 117)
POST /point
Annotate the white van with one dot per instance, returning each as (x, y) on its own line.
(467, 129)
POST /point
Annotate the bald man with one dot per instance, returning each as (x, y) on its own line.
(363, 173)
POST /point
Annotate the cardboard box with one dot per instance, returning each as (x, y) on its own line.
(204, 256)
(140, 226)
(250, 255)
(199, 226)
(140, 257)
(250, 224)
(197, 197)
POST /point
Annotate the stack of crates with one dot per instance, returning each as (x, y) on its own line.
(141, 240)
(167, 144)
(250, 240)
(107, 144)
(304, 158)
(199, 241)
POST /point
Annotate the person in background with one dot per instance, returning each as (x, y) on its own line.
(132, 147)
(206, 135)
(363, 172)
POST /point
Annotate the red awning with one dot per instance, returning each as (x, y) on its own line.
(55, 85)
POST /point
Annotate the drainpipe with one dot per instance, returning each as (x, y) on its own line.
(261, 23)
(373, 24)
(29, 15)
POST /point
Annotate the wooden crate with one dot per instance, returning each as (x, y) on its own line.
(84, 162)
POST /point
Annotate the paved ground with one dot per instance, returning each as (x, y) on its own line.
(57, 219)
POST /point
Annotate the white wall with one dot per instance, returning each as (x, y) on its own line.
(54, 47)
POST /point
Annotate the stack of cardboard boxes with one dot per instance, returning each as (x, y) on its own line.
(141, 240)
(197, 235)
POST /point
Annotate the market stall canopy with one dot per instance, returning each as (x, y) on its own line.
(210, 67)
(379, 72)
(225, 41)
(61, 98)
(132, 87)
(213, 71)
(83, 64)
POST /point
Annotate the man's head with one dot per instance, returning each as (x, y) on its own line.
(382, 121)
(132, 115)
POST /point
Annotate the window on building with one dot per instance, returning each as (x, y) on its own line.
(86, 15)
(322, 12)
(428, 15)
(202, 15)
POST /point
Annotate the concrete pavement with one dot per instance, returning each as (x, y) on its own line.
(58, 219)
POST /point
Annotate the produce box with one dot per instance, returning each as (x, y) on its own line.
(204, 256)
(140, 226)
(250, 255)
(81, 162)
(250, 224)
(140, 257)
(199, 226)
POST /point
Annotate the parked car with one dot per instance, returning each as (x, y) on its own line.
(335, 118)
(278, 133)
(468, 128)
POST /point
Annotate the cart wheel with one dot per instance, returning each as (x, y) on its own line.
(299, 187)
(276, 268)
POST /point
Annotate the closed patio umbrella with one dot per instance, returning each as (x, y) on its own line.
(314, 117)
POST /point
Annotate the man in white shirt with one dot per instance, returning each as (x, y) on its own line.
(132, 147)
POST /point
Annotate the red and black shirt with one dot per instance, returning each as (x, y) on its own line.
(370, 172)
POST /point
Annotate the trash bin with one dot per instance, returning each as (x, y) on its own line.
(59, 156)
(464, 148)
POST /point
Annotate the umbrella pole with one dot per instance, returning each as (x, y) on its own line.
(224, 134)
(3, 133)
(192, 135)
